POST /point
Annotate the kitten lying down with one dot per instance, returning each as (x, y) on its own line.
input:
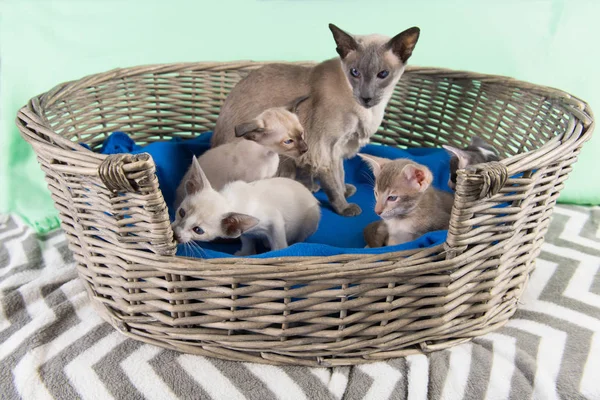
(255, 154)
(407, 203)
(276, 211)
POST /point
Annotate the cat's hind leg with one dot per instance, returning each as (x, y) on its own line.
(276, 236)
(248, 246)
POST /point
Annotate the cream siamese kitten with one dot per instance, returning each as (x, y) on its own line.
(278, 211)
(277, 128)
(477, 152)
(406, 201)
(255, 155)
(347, 99)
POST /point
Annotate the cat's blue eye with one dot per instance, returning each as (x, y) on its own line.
(392, 198)
(181, 212)
(354, 72)
(383, 74)
(198, 231)
(289, 141)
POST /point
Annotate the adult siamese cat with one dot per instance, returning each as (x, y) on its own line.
(346, 103)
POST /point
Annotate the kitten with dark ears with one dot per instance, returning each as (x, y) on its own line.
(477, 152)
(255, 155)
(277, 128)
(278, 211)
(346, 104)
(406, 201)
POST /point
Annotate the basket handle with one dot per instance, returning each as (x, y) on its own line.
(482, 180)
(115, 168)
(135, 174)
(474, 183)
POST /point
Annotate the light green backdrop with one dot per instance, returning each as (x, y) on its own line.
(45, 42)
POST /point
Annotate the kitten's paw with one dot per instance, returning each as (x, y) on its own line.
(350, 190)
(242, 253)
(351, 210)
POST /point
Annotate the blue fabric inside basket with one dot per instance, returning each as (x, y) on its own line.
(336, 234)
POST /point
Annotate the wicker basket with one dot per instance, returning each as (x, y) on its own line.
(316, 311)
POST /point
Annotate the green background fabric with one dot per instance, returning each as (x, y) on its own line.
(43, 43)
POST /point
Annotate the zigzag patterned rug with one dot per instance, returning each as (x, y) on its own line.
(53, 345)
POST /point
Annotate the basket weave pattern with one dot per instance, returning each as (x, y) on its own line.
(314, 311)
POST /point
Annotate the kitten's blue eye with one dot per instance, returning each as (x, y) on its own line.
(354, 72)
(383, 74)
(392, 198)
(289, 141)
(181, 212)
(198, 231)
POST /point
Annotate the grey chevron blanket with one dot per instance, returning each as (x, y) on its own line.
(53, 345)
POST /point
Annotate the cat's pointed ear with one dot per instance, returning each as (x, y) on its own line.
(234, 224)
(403, 44)
(488, 151)
(197, 180)
(293, 106)
(478, 142)
(419, 177)
(345, 42)
(250, 130)
(463, 156)
(375, 163)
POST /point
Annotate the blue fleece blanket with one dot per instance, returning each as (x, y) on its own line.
(336, 234)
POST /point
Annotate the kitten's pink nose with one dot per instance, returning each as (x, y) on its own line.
(378, 211)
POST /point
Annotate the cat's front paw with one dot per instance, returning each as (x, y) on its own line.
(351, 210)
(350, 190)
(243, 253)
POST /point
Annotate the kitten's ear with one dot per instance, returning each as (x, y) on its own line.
(249, 129)
(345, 42)
(375, 163)
(293, 106)
(403, 43)
(234, 224)
(463, 156)
(488, 151)
(418, 176)
(197, 180)
(479, 142)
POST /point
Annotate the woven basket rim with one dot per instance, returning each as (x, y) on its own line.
(31, 115)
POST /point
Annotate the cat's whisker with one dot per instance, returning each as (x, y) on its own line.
(185, 251)
(200, 250)
(369, 178)
(190, 247)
